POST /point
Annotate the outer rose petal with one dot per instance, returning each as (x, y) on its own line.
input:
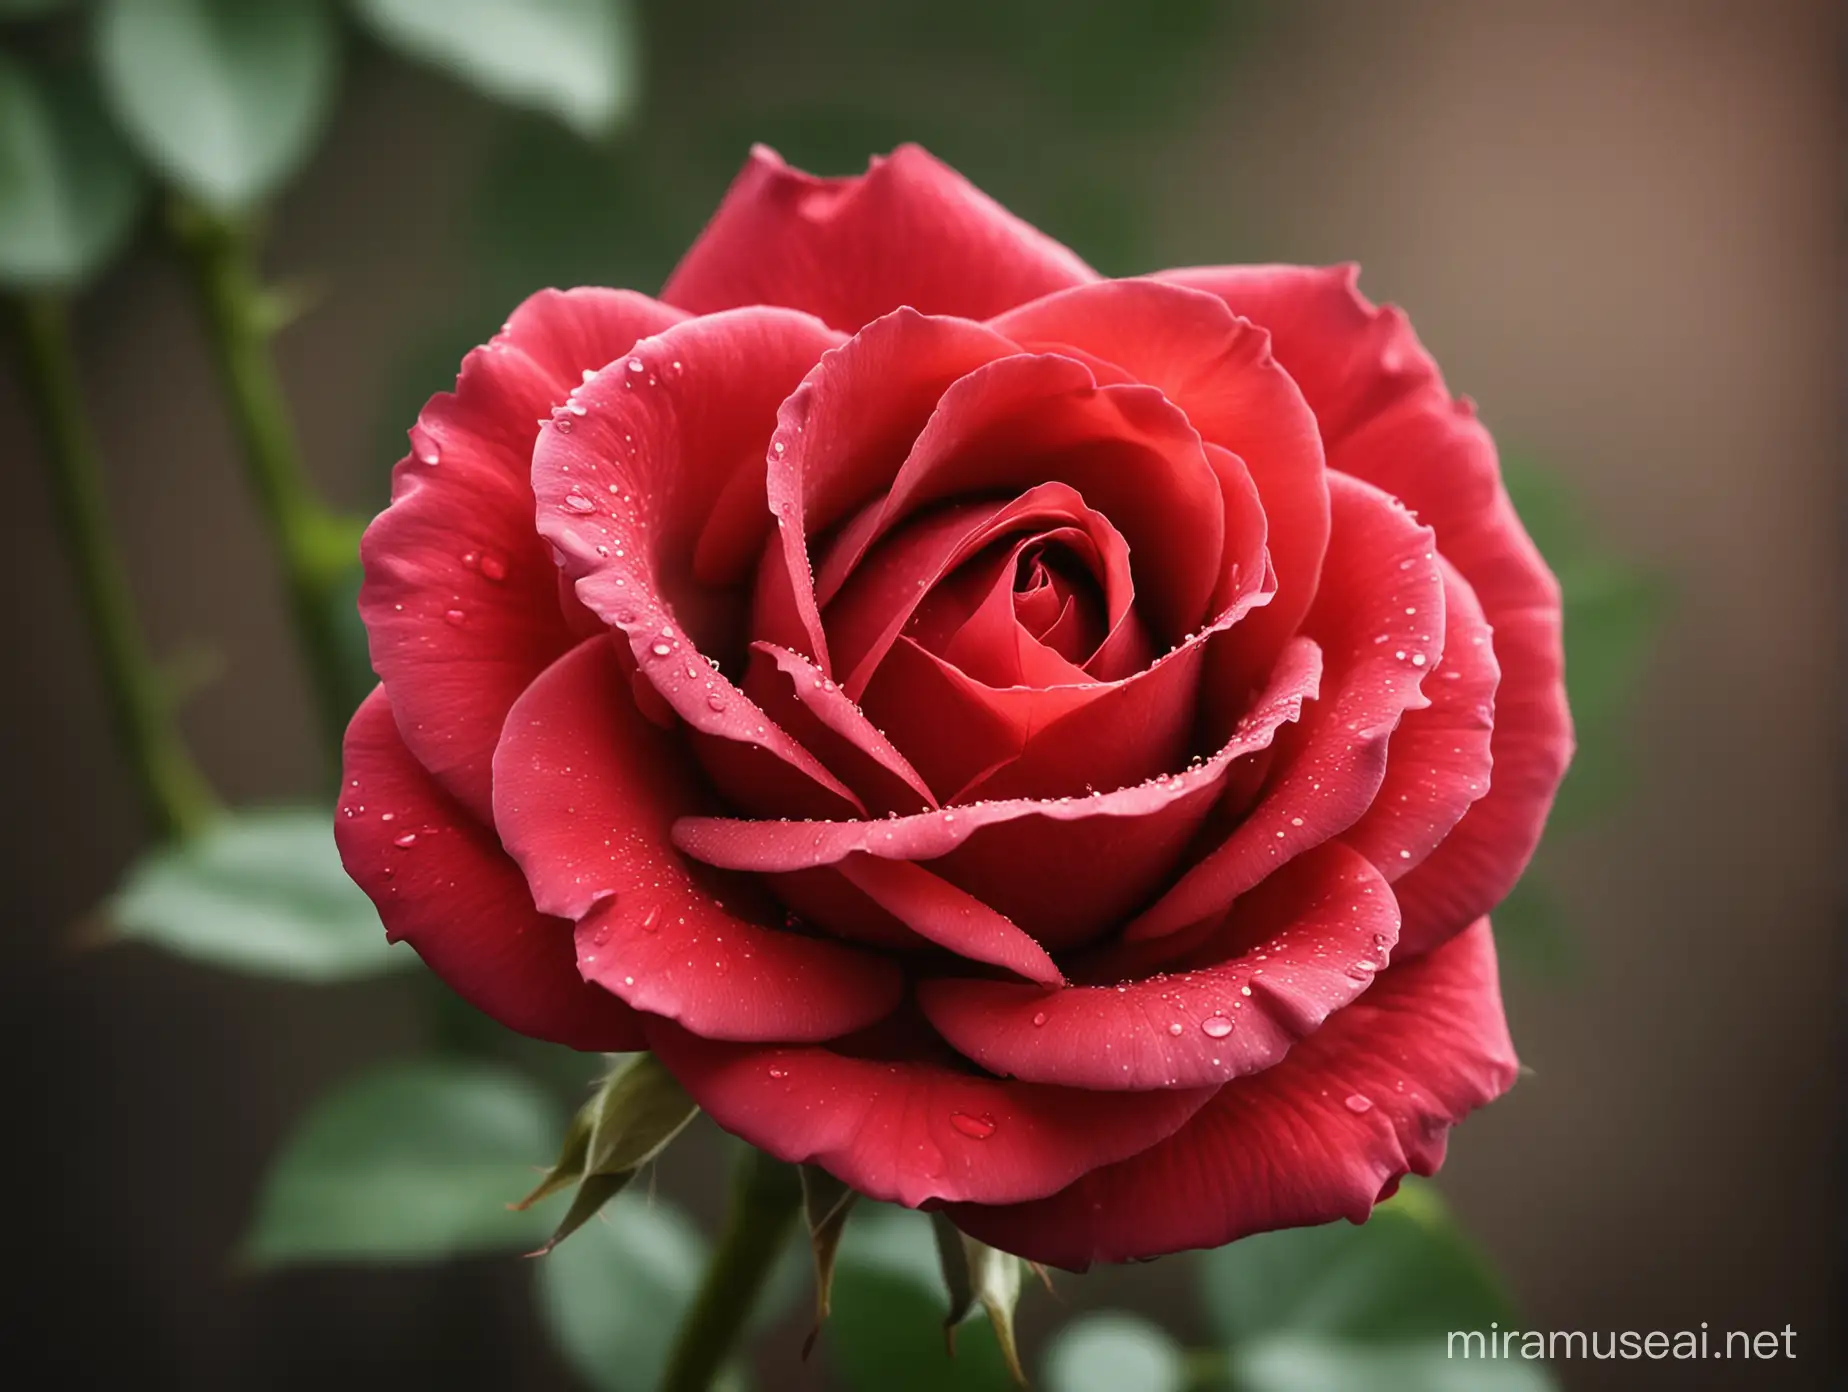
(1299, 947)
(1387, 417)
(460, 598)
(442, 883)
(625, 477)
(1438, 762)
(1380, 617)
(585, 792)
(910, 231)
(1325, 1134)
(911, 1132)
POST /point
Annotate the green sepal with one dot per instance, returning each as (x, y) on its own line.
(826, 1205)
(977, 1274)
(633, 1117)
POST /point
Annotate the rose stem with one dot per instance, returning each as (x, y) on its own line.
(316, 545)
(766, 1195)
(174, 795)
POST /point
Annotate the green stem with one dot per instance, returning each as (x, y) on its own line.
(174, 794)
(766, 1197)
(316, 544)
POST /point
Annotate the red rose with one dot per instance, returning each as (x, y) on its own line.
(986, 727)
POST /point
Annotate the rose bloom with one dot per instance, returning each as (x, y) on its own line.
(986, 727)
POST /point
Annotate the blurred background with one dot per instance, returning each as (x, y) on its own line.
(1618, 225)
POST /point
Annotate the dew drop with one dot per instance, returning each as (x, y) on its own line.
(715, 702)
(1216, 1027)
(661, 650)
(577, 502)
(456, 617)
(1357, 1104)
(1039, 1018)
(1175, 1028)
(408, 839)
(977, 1128)
(493, 567)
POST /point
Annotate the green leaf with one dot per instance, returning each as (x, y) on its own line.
(613, 1299)
(1386, 1292)
(262, 892)
(1113, 1352)
(225, 97)
(408, 1162)
(576, 60)
(886, 1332)
(69, 190)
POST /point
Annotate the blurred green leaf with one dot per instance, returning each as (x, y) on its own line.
(613, 1299)
(408, 1162)
(69, 189)
(1308, 1365)
(1531, 931)
(225, 97)
(1114, 1352)
(30, 9)
(577, 60)
(260, 891)
(1295, 1305)
(886, 1332)
(1611, 611)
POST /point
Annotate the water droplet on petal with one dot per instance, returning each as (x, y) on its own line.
(456, 617)
(577, 502)
(408, 839)
(977, 1128)
(493, 567)
(1216, 1027)
(661, 650)
(1358, 1104)
(1039, 1018)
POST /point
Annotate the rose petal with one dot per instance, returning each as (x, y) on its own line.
(1064, 870)
(939, 911)
(869, 607)
(1218, 369)
(1379, 614)
(836, 711)
(1300, 946)
(1437, 762)
(460, 600)
(1028, 419)
(585, 793)
(910, 231)
(625, 476)
(911, 1132)
(1325, 1134)
(442, 883)
(1387, 417)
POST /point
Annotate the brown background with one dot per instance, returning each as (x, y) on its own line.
(1619, 227)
